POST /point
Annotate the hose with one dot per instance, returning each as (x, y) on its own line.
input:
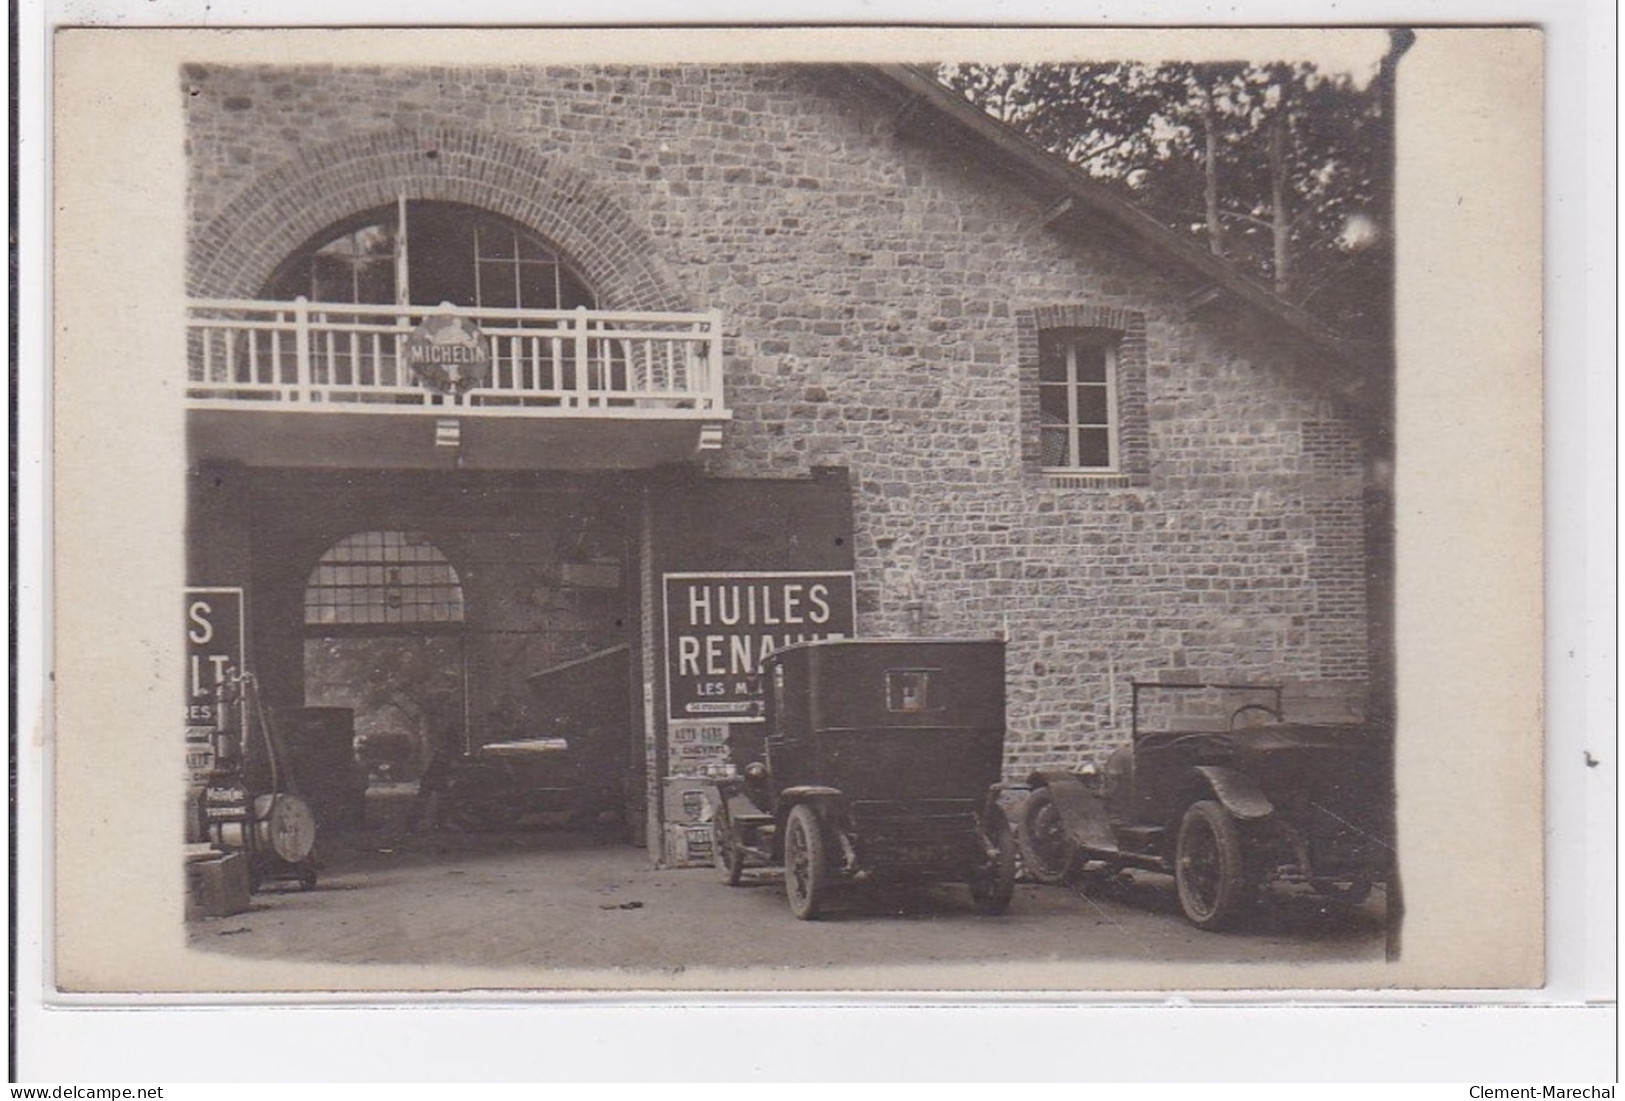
(272, 750)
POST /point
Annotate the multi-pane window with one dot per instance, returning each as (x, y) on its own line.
(451, 253)
(513, 270)
(1077, 400)
(358, 266)
(383, 577)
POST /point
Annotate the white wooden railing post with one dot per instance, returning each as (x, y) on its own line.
(582, 365)
(301, 331)
(452, 396)
(206, 338)
(713, 362)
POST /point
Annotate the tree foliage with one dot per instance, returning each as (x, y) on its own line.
(1280, 168)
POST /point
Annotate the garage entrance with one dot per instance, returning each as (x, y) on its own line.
(384, 613)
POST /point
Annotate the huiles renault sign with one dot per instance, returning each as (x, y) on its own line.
(719, 627)
(215, 643)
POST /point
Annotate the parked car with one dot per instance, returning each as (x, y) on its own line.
(1227, 808)
(502, 782)
(571, 764)
(881, 759)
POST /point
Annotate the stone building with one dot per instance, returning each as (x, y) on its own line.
(741, 354)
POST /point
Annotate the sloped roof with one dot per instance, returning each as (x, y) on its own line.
(1355, 373)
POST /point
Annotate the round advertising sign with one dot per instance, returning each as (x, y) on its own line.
(448, 354)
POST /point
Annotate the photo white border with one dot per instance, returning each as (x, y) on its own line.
(1548, 1034)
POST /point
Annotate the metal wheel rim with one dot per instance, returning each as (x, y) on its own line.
(1047, 838)
(1200, 867)
(800, 862)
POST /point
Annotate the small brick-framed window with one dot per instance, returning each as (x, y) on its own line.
(1082, 372)
(1077, 401)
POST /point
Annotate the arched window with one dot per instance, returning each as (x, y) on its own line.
(383, 577)
(449, 253)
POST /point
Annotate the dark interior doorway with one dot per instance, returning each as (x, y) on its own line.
(384, 616)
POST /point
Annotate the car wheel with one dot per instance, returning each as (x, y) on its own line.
(993, 885)
(806, 864)
(1348, 892)
(1210, 867)
(1047, 852)
(726, 852)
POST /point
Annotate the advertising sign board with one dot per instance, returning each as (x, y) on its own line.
(215, 643)
(719, 627)
(448, 354)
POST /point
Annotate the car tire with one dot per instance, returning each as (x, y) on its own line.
(1210, 867)
(992, 887)
(1047, 853)
(806, 863)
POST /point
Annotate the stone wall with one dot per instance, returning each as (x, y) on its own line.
(872, 288)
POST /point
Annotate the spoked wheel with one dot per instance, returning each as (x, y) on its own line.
(1047, 852)
(806, 864)
(1211, 867)
(726, 851)
(992, 887)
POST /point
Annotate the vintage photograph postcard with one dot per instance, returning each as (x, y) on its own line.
(783, 511)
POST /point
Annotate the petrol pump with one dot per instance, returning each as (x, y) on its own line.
(274, 827)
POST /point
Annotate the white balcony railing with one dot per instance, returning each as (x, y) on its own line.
(314, 355)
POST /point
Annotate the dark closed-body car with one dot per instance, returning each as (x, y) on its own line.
(879, 758)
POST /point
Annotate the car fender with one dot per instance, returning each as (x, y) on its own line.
(827, 803)
(991, 804)
(1238, 792)
(742, 808)
(1044, 777)
(805, 793)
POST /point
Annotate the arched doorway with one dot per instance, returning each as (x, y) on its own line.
(384, 622)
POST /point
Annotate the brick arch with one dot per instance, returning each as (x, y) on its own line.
(235, 255)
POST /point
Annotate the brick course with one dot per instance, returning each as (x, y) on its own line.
(874, 291)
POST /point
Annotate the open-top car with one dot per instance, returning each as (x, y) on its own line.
(882, 759)
(1216, 788)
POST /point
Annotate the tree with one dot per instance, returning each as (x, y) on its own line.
(1275, 167)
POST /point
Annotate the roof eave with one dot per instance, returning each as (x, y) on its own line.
(1349, 369)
